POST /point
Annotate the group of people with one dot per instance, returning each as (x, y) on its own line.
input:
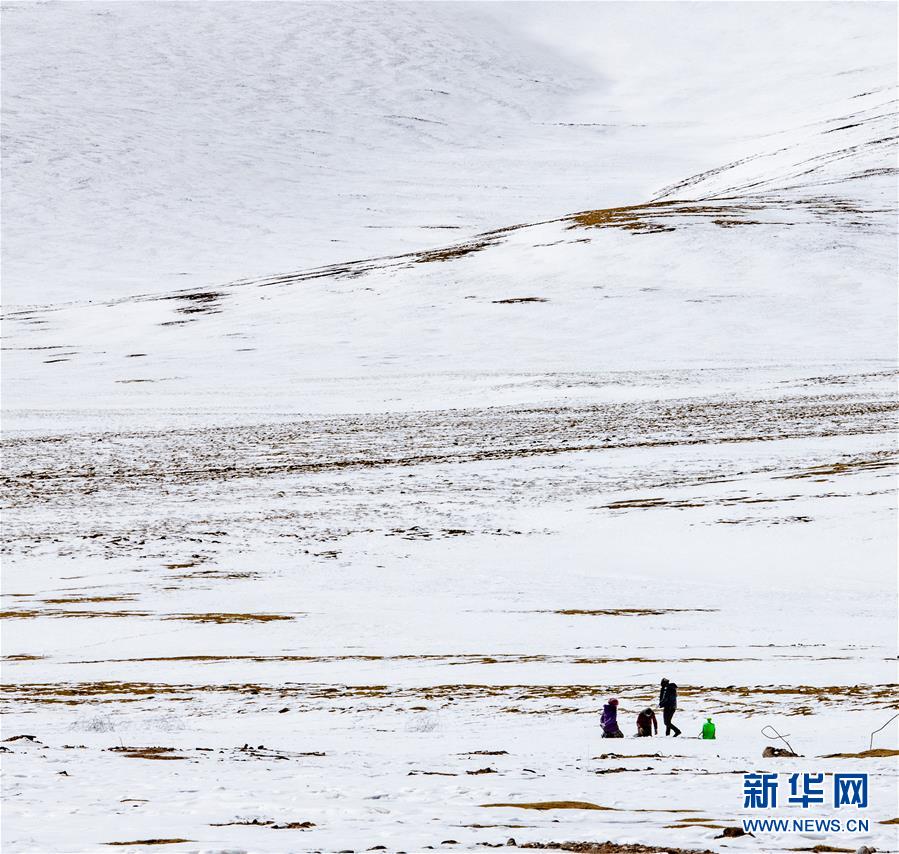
(647, 723)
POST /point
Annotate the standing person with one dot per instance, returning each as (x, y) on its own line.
(668, 704)
(647, 724)
(609, 720)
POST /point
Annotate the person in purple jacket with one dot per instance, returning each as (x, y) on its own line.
(609, 720)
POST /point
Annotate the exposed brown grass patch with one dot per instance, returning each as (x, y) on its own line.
(24, 657)
(883, 460)
(416, 773)
(486, 753)
(820, 849)
(611, 848)
(629, 503)
(553, 805)
(666, 215)
(629, 217)
(79, 600)
(147, 752)
(230, 618)
(450, 253)
(637, 756)
(629, 612)
(151, 842)
(31, 614)
(876, 753)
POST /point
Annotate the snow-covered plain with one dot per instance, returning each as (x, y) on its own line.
(387, 386)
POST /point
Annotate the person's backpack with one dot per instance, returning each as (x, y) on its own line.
(708, 729)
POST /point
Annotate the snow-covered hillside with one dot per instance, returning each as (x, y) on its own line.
(387, 386)
(148, 147)
(675, 280)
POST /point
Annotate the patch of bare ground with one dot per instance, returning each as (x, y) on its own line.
(656, 216)
(147, 752)
(889, 821)
(635, 503)
(31, 614)
(621, 770)
(876, 753)
(416, 532)
(518, 300)
(682, 504)
(150, 842)
(629, 217)
(552, 805)
(415, 773)
(821, 849)
(214, 575)
(881, 460)
(194, 303)
(450, 253)
(82, 600)
(230, 618)
(638, 756)
(611, 848)
(24, 657)
(628, 612)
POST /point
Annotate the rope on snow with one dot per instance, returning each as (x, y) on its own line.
(871, 745)
(777, 735)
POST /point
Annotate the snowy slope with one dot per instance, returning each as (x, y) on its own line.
(153, 147)
(675, 281)
(326, 528)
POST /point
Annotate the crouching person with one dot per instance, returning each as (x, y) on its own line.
(647, 724)
(609, 720)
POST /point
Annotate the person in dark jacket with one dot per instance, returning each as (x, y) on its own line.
(647, 724)
(668, 705)
(609, 720)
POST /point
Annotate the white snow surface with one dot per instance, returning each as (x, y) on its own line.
(386, 386)
(150, 146)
